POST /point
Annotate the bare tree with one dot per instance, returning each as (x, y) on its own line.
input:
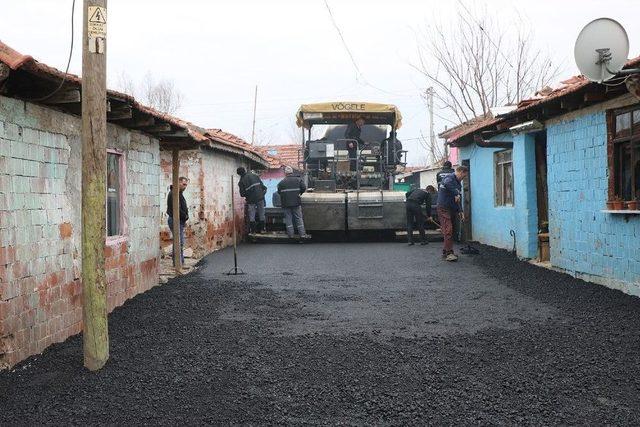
(475, 65)
(161, 95)
(126, 84)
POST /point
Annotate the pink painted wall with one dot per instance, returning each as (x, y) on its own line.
(453, 155)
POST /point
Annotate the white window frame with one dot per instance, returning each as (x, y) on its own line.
(499, 167)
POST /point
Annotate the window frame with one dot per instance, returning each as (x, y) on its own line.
(616, 153)
(123, 229)
(500, 165)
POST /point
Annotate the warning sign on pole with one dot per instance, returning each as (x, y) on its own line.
(96, 28)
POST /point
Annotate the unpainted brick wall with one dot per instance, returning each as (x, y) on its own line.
(40, 224)
(210, 225)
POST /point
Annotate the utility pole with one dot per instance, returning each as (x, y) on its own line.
(94, 170)
(255, 103)
(432, 136)
(175, 208)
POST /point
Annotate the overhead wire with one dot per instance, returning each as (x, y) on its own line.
(359, 75)
(66, 71)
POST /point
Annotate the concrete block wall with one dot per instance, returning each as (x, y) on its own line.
(208, 196)
(525, 194)
(40, 224)
(490, 224)
(591, 244)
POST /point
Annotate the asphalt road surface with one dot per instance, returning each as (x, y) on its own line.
(350, 333)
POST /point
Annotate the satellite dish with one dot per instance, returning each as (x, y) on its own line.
(601, 49)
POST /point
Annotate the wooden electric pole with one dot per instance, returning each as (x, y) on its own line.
(175, 209)
(94, 170)
(255, 104)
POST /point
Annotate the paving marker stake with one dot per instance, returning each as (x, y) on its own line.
(235, 270)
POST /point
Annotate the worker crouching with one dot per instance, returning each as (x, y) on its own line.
(290, 189)
(415, 199)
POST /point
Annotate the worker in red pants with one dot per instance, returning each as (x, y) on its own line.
(449, 196)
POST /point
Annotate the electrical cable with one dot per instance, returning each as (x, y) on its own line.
(66, 71)
(359, 73)
(624, 81)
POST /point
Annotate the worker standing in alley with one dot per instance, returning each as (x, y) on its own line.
(446, 170)
(253, 191)
(415, 199)
(290, 189)
(184, 214)
(449, 198)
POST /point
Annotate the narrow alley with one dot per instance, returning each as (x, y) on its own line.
(355, 333)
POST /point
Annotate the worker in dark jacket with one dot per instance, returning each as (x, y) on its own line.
(290, 189)
(415, 199)
(394, 158)
(184, 214)
(446, 170)
(353, 132)
(449, 198)
(253, 190)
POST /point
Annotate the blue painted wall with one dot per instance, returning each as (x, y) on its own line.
(272, 187)
(490, 224)
(526, 198)
(584, 240)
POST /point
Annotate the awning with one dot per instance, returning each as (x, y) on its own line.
(346, 112)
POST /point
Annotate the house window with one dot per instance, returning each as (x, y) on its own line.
(114, 194)
(503, 178)
(624, 140)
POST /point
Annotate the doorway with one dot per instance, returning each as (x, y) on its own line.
(465, 227)
(542, 196)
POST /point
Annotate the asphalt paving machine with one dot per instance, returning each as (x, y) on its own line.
(351, 192)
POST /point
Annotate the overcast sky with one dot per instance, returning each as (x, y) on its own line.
(217, 51)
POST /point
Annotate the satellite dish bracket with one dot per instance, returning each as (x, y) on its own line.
(604, 57)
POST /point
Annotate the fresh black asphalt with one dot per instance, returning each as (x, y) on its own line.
(350, 333)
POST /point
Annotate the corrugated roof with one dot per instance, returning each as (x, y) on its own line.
(213, 137)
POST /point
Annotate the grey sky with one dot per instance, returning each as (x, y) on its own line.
(217, 51)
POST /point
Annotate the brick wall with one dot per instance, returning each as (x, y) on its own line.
(40, 242)
(585, 241)
(210, 225)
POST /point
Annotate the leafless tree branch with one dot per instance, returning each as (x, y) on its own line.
(467, 64)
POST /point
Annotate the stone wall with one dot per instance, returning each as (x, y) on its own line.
(210, 225)
(40, 226)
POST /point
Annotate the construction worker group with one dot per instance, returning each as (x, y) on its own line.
(289, 189)
(448, 205)
(448, 208)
